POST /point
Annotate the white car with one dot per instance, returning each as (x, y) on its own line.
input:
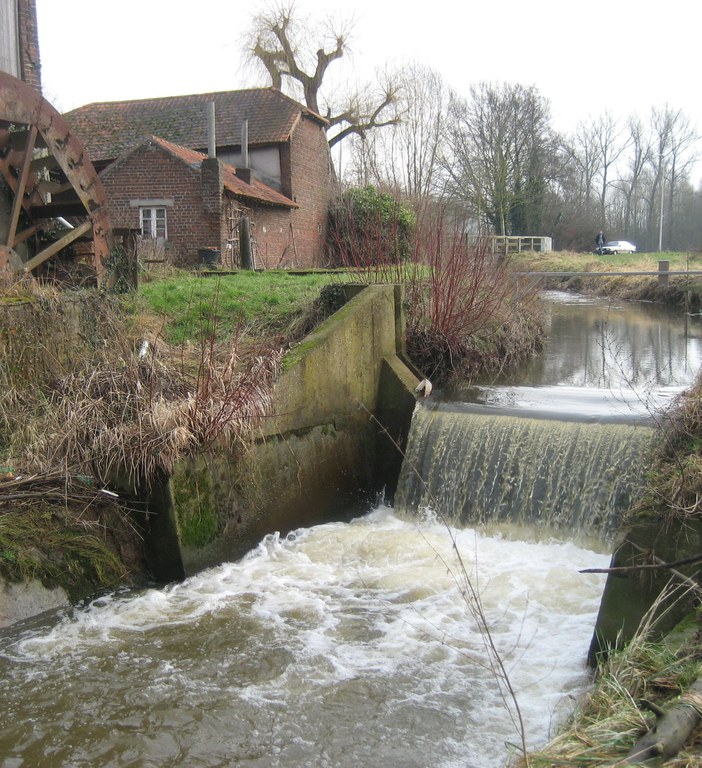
(618, 246)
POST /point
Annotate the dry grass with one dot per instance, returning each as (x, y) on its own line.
(674, 486)
(116, 415)
(616, 713)
(139, 413)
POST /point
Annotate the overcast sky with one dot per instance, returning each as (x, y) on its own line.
(616, 55)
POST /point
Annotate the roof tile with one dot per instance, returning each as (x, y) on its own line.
(109, 128)
(256, 190)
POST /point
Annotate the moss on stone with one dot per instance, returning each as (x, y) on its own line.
(40, 545)
(194, 504)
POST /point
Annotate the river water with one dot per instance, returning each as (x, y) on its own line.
(345, 644)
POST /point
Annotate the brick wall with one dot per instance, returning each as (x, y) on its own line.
(272, 232)
(198, 218)
(29, 43)
(149, 173)
(311, 186)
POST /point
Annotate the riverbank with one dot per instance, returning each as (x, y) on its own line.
(679, 290)
(137, 383)
(76, 414)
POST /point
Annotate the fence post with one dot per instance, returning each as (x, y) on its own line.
(663, 269)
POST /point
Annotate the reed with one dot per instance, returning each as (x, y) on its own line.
(119, 415)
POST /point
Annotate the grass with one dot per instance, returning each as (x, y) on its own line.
(617, 711)
(191, 306)
(570, 261)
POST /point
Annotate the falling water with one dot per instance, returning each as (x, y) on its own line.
(354, 644)
(567, 477)
(563, 443)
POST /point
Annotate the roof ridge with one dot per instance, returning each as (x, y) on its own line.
(150, 99)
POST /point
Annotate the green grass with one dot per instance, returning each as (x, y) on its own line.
(570, 261)
(192, 307)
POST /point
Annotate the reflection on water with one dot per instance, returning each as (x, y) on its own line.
(603, 360)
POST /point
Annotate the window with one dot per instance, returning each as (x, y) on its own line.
(152, 221)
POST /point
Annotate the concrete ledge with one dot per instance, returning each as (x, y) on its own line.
(629, 596)
(27, 599)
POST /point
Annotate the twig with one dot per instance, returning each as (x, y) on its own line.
(661, 565)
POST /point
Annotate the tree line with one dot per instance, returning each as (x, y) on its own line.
(492, 157)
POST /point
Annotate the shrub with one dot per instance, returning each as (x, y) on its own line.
(367, 226)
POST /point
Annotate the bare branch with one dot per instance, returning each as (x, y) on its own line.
(276, 43)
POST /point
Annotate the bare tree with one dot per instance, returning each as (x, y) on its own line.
(585, 155)
(611, 143)
(500, 150)
(638, 158)
(681, 157)
(406, 157)
(282, 45)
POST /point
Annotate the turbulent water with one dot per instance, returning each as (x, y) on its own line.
(356, 644)
(340, 645)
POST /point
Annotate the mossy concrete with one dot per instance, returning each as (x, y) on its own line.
(630, 595)
(331, 445)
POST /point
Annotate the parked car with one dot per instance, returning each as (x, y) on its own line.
(618, 246)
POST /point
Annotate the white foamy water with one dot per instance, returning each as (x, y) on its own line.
(340, 645)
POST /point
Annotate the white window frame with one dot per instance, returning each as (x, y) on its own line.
(156, 218)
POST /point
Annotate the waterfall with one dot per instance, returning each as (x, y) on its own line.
(566, 476)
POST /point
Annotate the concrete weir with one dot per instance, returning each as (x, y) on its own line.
(342, 407)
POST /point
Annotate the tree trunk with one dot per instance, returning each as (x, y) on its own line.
(671, 730)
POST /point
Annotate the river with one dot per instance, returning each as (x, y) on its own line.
(345, 644)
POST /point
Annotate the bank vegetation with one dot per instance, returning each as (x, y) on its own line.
(104, 393)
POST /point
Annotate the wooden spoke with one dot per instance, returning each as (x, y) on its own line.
(21, 186)
(49, 175)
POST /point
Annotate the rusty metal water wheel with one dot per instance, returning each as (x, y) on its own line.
(49, 178)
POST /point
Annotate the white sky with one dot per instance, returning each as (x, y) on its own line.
(623, 56)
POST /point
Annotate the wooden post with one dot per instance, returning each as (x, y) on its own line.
(245, 243)
(663, 269)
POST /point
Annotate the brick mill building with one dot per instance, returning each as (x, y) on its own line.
(186, 186)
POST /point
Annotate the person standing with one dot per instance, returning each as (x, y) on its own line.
(600, 241)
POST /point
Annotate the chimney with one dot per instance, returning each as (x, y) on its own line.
(243, 171)
(211, 142)
(245, 143)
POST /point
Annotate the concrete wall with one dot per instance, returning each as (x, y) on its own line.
(630, 595)
(342, 410)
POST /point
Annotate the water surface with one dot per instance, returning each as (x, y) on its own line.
(340, 645)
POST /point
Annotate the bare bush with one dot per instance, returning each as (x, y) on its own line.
(466, 312)
(135, 407)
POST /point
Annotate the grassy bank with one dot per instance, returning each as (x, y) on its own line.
(684, 291)
(184, 306)
(572, 261)
(631, 684)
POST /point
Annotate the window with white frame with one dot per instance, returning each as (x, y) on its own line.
(153, 222)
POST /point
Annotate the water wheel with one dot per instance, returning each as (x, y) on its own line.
(48, 179)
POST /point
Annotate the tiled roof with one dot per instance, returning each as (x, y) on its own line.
(256, 190)
(109, 128)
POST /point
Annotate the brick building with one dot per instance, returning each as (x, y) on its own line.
(19, 41)
(158, 167)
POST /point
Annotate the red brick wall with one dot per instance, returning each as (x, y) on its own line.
(198, 218)
(149, 173)
(311, 185)
(272, 235)
(29, 43)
